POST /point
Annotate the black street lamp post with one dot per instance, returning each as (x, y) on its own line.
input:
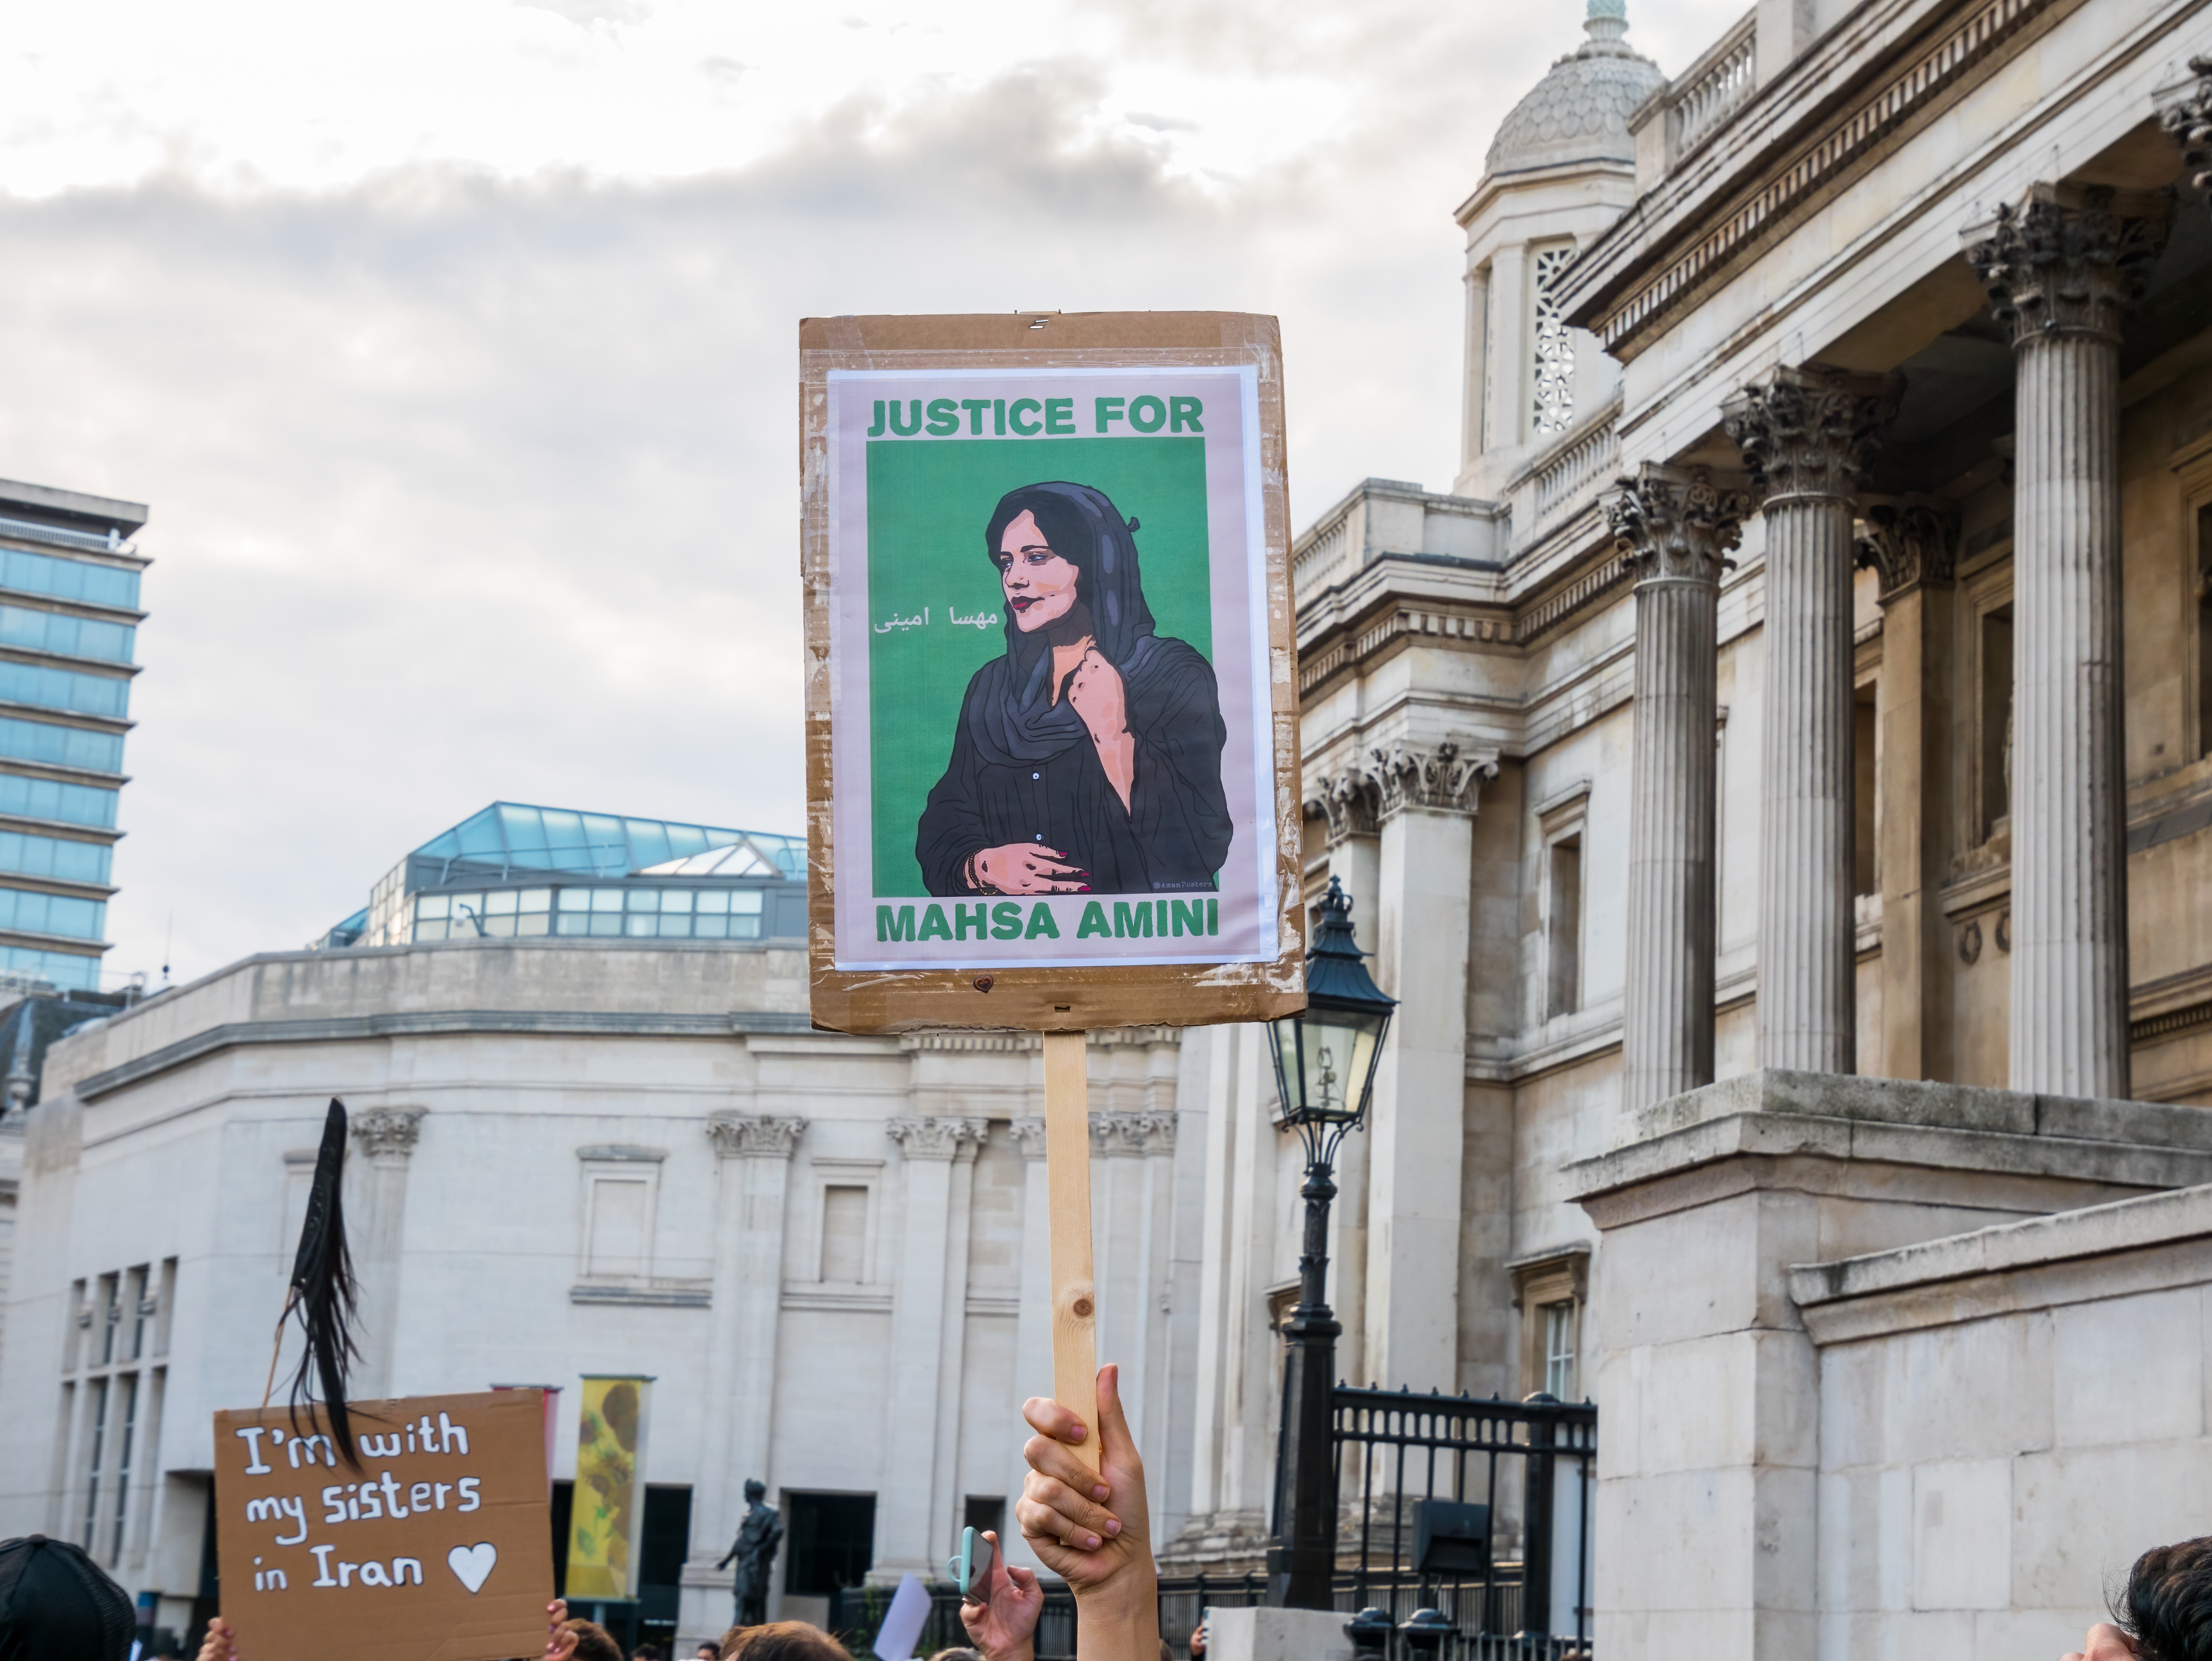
(1325, 1062)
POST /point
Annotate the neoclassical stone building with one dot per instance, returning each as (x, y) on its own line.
(577, 1156)
(1806, 682)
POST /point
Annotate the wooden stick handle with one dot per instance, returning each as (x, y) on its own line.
(1067, 1183)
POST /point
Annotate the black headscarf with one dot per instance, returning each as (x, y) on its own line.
(55, 1602)
(1023, 725)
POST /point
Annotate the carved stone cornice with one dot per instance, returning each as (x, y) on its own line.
(2187, 117)
(1114, 1132)
(1349, 800)
(1029, 1136)
(1912, 544)
(1445, 779)
(755, 1135)
(1674, 524)
(932, 1136)
(1809, 432)
(2069, 260)
(387, 1130)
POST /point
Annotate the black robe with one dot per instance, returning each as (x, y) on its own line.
(1023, 770)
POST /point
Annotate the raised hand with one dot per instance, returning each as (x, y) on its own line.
(1022, 868)
(1005, 1628)
(1091, 1531)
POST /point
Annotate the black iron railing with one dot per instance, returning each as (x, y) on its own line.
(1509, 1561)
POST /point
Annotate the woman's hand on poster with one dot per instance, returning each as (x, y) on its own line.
(1094, 694)
(1022, 868)
(1091, 1529)
(1004, 1626)
(221, 1644)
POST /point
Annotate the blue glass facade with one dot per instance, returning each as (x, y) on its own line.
(68, 623)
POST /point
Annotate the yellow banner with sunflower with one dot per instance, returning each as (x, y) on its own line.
(608, 1514)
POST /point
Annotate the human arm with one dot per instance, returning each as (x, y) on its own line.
(1105, 1554)
(1004, 1625)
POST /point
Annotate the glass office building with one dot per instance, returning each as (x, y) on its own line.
(514, 871)
(68, 624)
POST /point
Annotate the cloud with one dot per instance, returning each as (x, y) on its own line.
(470, 486)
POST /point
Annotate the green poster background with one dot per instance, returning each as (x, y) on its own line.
(928, 502)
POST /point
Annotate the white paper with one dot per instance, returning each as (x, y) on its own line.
(903, 1626)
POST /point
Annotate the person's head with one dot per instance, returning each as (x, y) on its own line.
(646, 1653)
(708, 1652)
(584, 1640)
(756, 1490)
(782, 1640)
(55, 1601)
(1061, 547)
(961, 1652)
(2167, 1606)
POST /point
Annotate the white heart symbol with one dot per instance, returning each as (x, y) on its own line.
(471, 1565)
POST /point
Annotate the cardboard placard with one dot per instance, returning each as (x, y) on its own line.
(439, 1547)
(998, 837)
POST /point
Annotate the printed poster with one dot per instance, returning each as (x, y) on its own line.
(438, 1545)
(607, 1513)
(1049, 668)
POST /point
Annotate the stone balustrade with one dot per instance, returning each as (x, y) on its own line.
(1691, 108)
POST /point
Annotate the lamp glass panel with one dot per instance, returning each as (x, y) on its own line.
(1339, 1047)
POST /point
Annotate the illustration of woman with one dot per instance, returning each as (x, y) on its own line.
(1088, 756)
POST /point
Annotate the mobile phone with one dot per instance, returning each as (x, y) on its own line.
(971, 1570)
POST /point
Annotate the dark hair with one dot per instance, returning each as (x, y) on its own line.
(2167, 1606)
(782, 1640)
(1083, 527)
(593, 1641)
(54, 1600)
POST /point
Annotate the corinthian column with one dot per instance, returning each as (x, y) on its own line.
(1676, 528)
(1416, 1137)
(387, 1136)
(753, 1169)
(913, 1519)
(1805, 435)
(2061, 268)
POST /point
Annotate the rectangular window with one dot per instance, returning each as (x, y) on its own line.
(1552, 344)
(1560, 1350)
(832, 1542)
(844, 1234)
(64, 689)
(1994, 756)
(1562, 927)
(68, 579)
(69, 804)
(61, 746)
(1865, 729)
(2202, 591)
(111, 1315)
(618, 1233)
(137, 1307)
(95, 1440)
(126, 1431)
(68, 637)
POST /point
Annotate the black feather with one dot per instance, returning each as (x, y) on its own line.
(323, 1293)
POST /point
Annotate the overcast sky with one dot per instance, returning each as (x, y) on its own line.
(452, 343)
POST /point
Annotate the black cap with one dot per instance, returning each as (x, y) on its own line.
(56, 1603)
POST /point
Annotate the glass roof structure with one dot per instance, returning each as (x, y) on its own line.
(518, 837)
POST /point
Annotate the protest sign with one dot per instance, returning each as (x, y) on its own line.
(1051, 744)
(439, 1547)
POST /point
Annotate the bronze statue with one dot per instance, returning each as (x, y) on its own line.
(758, 1537)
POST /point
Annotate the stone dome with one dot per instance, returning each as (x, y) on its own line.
(1579, 110)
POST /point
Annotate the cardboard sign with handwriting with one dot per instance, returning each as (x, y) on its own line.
(439, 1547)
